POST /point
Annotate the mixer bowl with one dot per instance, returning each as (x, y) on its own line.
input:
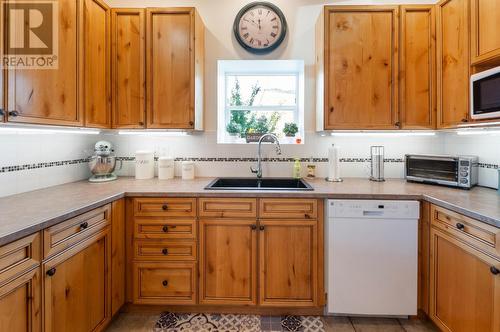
(102, 165)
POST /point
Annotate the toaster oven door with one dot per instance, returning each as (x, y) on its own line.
(433, 169)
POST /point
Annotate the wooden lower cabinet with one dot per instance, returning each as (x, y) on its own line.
(20, 302)
(465, 291)
(77, 286)
(288, 258)
(228, 261)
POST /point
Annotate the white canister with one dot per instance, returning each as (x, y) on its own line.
(187, 170)
(165, 168)
(144, 165)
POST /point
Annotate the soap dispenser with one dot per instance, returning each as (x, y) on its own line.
(296, 169)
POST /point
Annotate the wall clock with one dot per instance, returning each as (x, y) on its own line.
(260, 27)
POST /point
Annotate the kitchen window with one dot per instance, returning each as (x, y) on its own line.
(256, 97)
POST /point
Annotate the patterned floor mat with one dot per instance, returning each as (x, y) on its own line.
(172, 322)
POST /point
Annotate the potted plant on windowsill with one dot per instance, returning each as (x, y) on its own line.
(290, 129)
(233, 129)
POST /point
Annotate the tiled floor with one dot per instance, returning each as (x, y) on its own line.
(133, 322)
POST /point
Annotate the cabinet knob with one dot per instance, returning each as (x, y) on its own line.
(141, 123)
(165, 251)
(460, 226)
(13, 113)
(191, 123)
(494, 271)
(165, 283)
(465, 120)
(84, 225)
(253, 227)
(398, 124)
(332, 109)
(262, 227)
(164, 207)
(51, 272)
(165, 229)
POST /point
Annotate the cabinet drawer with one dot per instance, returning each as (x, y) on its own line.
(228, 208)
(19, 256)
(165, 228)
(165, 250)
(62, 236)
(472, 231)
(165, 207)
(288, 208)
(164, 283)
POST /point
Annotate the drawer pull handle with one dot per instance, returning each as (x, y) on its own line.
(165, 283)
(165, 229)
(262, 228)
(84, 225)
(164, 207)
(51, 272)
(13, 113)
(165, 251)
(253, 227)
(494, 271)
(460, 226)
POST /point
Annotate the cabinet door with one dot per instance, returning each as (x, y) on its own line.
(97, 64)
(417, 85)
(228, 250)
(77, 287)
(128, 30)
(453, 62)
(288, 258)
(485, 24)
(361, 67)
(170, 68)
(52, 96)
(20, 303)
(465, 293)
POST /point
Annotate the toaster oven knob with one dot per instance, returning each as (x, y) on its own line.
(464, 174)
(464, 181)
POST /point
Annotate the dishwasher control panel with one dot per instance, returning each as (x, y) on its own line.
(374, 209)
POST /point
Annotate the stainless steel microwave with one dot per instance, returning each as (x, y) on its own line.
(485, 94)
(454, 171)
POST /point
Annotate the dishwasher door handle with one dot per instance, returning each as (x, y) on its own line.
(373, 213)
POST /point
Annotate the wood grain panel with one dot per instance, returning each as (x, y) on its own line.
(158, 228)
(285, 208)
(96, 78)
(164, 283)
(288, 258)
(20, 256)
(128, 34)
(228, 261)
(78, 292)
(165, 207)
(20, 301)
(53, 96)
(465, 294)
(228, 207)
(485, 24)
(361, 67)
(118, 254)
(165, 250)
(417, 80)
(170, 67)
(453, 62)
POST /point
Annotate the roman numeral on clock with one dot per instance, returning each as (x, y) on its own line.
(273, 35)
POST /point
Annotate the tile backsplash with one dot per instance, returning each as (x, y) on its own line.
(33, 161)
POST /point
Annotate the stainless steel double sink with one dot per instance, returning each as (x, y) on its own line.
(286, 184)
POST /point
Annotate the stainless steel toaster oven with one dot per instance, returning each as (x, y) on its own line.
(454, 171)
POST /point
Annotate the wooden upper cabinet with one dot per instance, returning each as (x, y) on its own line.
(20, 301)
(96, 78)
(77, 286)
(453, 62)
(174, 45)
(465, 293)
(485, 25)
(128, 33)
(417, 79)
(358, 67)
(52, 96)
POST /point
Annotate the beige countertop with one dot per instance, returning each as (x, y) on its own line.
(26, 213)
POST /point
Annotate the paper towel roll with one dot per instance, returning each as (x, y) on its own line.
(333, 163)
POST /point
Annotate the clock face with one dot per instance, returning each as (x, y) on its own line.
(260, 27)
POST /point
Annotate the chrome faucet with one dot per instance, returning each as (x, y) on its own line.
(258, 171)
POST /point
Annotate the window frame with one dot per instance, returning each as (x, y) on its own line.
(228, 68)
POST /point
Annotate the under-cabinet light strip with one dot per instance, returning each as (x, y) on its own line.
(387, 134)
(46, 131)
(152, 133)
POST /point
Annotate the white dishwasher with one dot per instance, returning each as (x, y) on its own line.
(372, 257)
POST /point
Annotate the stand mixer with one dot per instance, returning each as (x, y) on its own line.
(103, 163)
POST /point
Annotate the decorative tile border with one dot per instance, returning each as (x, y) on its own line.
(18, 168)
